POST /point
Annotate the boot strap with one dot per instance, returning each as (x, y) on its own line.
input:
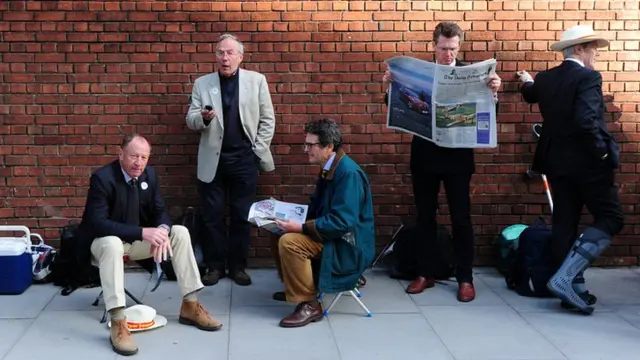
(584, 253)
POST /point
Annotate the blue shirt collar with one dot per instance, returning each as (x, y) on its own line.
(327, 166)
(127, 178)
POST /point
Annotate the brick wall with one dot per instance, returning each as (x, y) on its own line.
(75, 75)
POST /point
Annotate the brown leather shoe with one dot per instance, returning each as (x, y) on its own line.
(192, 313)
(212, 277)
(466, 292)
(305, 313)
(121, 339)
(419, 284)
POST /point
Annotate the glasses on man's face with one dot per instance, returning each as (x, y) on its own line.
(308, 145)
(230, 53)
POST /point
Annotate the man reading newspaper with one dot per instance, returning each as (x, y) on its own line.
(339, 233)
(448, 157)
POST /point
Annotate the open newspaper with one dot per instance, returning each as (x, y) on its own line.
(448, 105)
(263, 213)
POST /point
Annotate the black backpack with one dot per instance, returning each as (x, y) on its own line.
(68, 269)
(405, 261)
(192, 220)
(532, 267)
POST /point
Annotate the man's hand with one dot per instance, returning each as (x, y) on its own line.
(290, 226)
(493, 82)
(155, 236)
(524, 76)
(208, 114)
(162, 253)
(386, 79)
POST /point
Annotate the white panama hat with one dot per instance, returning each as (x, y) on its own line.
(142, 317)
(578, 34)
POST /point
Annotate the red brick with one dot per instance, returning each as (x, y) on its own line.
(76, 75)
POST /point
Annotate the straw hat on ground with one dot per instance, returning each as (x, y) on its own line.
(142, 318)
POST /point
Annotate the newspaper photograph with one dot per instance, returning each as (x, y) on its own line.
(448, 105)
(263, 213)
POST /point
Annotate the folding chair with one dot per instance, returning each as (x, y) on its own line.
(125, 259)
(355, 294)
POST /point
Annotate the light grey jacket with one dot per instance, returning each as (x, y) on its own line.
(256, 114)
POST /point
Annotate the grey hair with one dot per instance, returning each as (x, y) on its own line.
(327, 130)
(569, 51)
(231, 37)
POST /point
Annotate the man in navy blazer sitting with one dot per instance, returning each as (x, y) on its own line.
(125, 214)
(579, 157)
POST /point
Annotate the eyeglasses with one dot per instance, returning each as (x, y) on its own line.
(309, 145)
(220, 53)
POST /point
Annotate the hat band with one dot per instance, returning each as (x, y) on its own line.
(140, 326)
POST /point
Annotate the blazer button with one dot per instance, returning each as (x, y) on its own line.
(217, 153)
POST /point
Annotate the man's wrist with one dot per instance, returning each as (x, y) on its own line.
(164, 226)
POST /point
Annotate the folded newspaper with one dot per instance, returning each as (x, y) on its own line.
(263, 213)
(448, 105)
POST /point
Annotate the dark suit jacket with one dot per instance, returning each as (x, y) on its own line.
(427, 157)
(574, 134)
(105, 212)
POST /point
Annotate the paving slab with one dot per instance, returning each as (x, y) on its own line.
(498, 325)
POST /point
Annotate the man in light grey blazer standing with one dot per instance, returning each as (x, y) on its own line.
(233, 112)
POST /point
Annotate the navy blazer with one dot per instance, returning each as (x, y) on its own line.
(574, 134)
(105, 212)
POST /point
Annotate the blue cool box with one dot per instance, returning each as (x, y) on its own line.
(16, 274)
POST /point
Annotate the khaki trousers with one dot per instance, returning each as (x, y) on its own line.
(293, 253)
(107, 253)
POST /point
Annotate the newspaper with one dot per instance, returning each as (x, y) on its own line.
(465, 113)
(262, 214)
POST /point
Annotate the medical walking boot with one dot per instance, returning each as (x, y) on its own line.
(586, 249)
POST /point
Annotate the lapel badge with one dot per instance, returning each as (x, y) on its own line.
(144, 185)
(215, 91)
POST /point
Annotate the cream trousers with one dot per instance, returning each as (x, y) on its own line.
(107, 253)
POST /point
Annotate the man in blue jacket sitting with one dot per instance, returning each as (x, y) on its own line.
(339, 230)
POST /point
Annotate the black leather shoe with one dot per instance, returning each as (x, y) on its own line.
(212, 277)
(240, 277)
(279, 296)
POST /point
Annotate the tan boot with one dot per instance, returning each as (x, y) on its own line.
(121, 339)
(192, 313)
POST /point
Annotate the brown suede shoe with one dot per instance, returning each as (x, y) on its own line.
(305, 313)
(192, 313)
(121, 339)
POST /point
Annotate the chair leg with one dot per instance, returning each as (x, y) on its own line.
(104, 316)
(333, 302)
(97, 301)
(132, 297)
(356, 294)
(356, 297)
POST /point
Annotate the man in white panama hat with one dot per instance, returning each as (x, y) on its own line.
(579, 157)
